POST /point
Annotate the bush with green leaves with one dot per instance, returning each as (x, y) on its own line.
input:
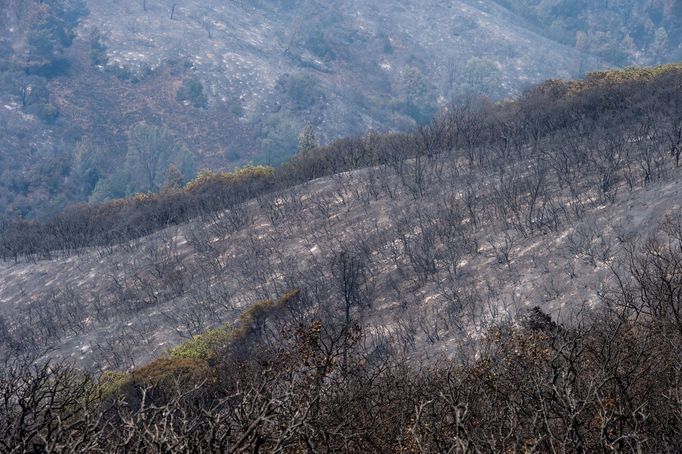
(51, 29)
(204, 346)
(415, 95)
(48, 113)
(151, 150)
(98, 51)
(300, 91)
(192, 93)
(621, 32)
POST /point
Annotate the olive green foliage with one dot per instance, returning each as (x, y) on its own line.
(209, 177)
(190, 362)
(279, 137)
(255, 316)
(611, 78)
(151, 151)
(98, 51)
(482, 76)
(192, 92)
(632, 74)
(111, 381)
(415, 95)
(204, 345)
(604, 382)
(307, 141)
(537, 115)
(621, 32)
(165, 372)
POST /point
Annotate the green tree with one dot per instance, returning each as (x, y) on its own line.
(85, 172)
(49, 29)
(278, 138)
(151, 150)
(660, 41)
(482, 76)
(113, 187)
(192, 92)
(307, 140)
(416, 95)
(413, 85)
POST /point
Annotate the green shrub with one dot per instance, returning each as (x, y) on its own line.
(205, 345)
(192, 92)
(48, 113)
(98, 51)
(619, 76)
(207, 177)
(110, 382)
(166, 371)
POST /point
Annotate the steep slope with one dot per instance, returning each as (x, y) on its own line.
(625, 32)
(427, 239)
(235, 82)
(345, 52)
(126, 306)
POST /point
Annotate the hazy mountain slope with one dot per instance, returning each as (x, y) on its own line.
(266, 68)
(237, 81)
(623, 32)
(351, 49)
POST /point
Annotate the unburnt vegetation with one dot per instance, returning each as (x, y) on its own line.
(234, 81)
(370, 295)
(626, 31)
